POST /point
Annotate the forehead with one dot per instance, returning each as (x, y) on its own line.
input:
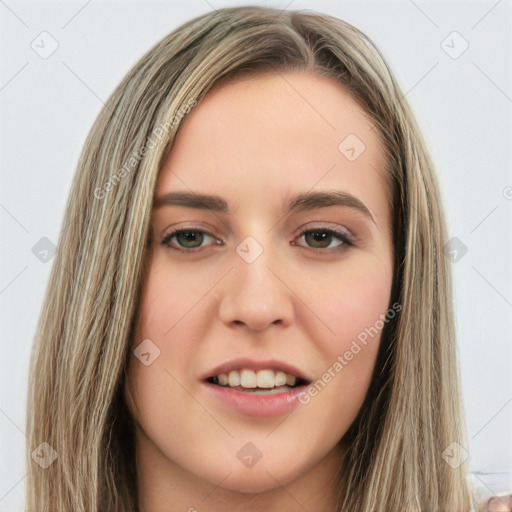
(259, 138)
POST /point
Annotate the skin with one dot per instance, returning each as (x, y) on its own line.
(256, 141)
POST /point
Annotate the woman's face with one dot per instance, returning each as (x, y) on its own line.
(273, 276)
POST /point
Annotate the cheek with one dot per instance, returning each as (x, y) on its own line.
(353, 299)
(156, 390)
(171, 294)
(150, 371)
(354, 306)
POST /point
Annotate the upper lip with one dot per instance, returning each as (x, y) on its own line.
(255, 365)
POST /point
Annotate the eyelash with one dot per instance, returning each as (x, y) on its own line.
(346, 240)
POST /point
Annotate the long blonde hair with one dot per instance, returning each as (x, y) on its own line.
(412, 411)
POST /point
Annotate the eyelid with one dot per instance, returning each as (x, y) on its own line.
(346, 240)
(168, 234)
(343, 234)
(327, 226)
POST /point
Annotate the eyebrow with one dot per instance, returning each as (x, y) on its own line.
(301, 202)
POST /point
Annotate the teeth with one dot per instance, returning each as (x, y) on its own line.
(265, 379)
(290, 380)
(234, 378)
(280, 379)
(248, 379)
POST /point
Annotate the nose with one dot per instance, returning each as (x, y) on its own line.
(256, 295)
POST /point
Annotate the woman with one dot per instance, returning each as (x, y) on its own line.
(253, 311)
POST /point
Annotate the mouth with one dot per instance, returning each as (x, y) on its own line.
(255, 388)
(261, 382)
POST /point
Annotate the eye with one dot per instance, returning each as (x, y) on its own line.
(323, 238)
(187, 238)
(191, 239)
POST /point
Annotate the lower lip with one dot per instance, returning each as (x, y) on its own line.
(263, 406)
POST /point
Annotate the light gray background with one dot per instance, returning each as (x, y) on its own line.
(463, 105)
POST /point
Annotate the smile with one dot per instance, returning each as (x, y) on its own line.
(262, 394)
(263, 381)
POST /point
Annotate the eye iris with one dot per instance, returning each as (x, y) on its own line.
(318, 236)
(189, 237)
(194, 238)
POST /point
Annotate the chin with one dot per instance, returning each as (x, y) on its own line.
(246, 482)
(255, 480)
